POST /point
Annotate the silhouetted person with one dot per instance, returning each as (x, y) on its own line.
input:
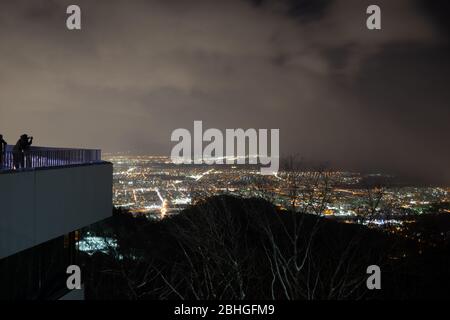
(21, 151)
(3, 145)
(18, 155)
(26, 146)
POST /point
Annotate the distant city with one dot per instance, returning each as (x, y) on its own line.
(155, 187)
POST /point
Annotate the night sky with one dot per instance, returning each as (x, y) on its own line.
(339, 93)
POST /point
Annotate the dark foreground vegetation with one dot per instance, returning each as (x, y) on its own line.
(234, 248)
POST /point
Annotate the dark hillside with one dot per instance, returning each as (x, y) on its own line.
(234, 248)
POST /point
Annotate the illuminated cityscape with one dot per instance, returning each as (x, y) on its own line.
(155, 187)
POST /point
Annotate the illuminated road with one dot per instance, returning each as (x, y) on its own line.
(164, 203)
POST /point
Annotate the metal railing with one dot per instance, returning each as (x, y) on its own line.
(43, 157)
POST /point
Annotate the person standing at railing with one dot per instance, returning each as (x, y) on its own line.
(21, 151)
(18, 155)
(3, 145)
(26, 147)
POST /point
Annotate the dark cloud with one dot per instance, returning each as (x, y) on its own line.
(438, 11)
(302, 10)
(372, 100)
(405, 92)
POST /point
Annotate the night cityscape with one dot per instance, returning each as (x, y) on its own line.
(154, 187)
